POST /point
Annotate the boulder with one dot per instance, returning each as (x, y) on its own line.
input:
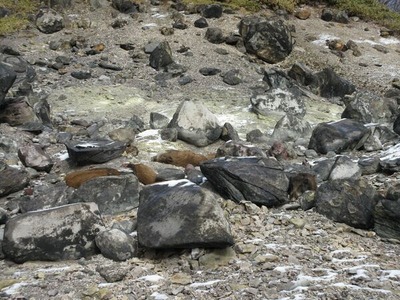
(201, 23)
(338, 136)
(33, 156)
(61, 233)
(112, 194)
(180, 214)
(49, 21)
(12, 179)
(94, 151)
(259, 180)
(328, 84)
(161, 56)
(158, 121)
(214, 35)
(116, 244)
(7, 78)
(367, 107)
(291, 128)
(387, 216)
(347, 201)
(270, 40)
(196, 124)
(229, 133)
(345, 168)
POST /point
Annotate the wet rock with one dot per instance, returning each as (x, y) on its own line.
(33, 156)
(196, 124)
(12, 179)
(116, 244)
(347, 201)
(161, 56)
(201, 23)
(214, 35)
(94, 151)
(7, 78)
(112, 194)
(180, 214)
(49, 21)
(259, 180)
(367, 107)
(338, 136)
(212, 11)
(345, 168)
(269, 40)
(61, 233)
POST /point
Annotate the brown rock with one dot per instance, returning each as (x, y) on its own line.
(77, 178)
(180, 158)
(303, 13)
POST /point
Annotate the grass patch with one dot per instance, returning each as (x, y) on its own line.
(19, 14)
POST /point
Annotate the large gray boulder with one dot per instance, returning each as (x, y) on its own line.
(196, 124)
(180, 214)
(338, 136)
(347, 201)
(368, 107)
(270, 40)
(112, 194)
(7, 78)
(12, 179)
(62, 233)
(259, 180)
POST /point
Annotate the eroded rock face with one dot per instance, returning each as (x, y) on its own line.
(259, 180)
(180, 214)
(61, 233)
(269, 40)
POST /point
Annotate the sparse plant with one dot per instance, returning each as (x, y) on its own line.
(20, 10)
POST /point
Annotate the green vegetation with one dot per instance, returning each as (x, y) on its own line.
(20, 9)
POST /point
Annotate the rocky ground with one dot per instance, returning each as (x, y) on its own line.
(280, 253)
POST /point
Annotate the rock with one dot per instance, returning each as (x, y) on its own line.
(61, 233)
(178, 24)
(212, 11)
(256, 136)
(94, 151)
(180, 158)
(307, 200)
(33, 156)
(259, 180)
(184, 80)
(338, 136)
(12, 179)
(194, 175)
(169, 134)
(180, 214)
(167, 174)
(237, 148)
(161, 56)
(18, 112)
(369, 165)
(290, 128)
(49, 21)
(322, 168)
(124, 135)
(81, 75)
(386, 215)
(158, 121)
(109, 66)
(77, 178)
(329, 85)
(116, 244)
(196, 124)
(367, 107)
(229, 133)
(125, 6)
(217, 258)
(373, 143)
(391, 4)
(3, 216)
(345, 168)
(269, 40)
(214, 35)
(113, 194)
(232, 77)
(201, 23)
(112, 273)
(347, 201)
(7, 78)
(390, 159)
(396, 125)
(209, 71)
(303, 13)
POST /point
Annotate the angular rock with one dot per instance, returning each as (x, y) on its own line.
(212, 11)
(33, 156)
(81, 75)
(229, 133)
(112, 194)
(167, 174)
(196, 124)
(161, 56)
(367, 107)
(158, 121)
(322, 168)
(269, 40)
(345, 168)
(180, 214)
(124, 135)
(387, 216)
(62, 233)
(259, 180)
(369, 165)
(94, 151)
(330, 85)
(338, 136)
(390, 159)
(7, 78)
(347, 201)
(49, 21)
(12, 179)
(291, 128)
(116, 244)
(214, 35)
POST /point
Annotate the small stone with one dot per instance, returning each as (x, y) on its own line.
(181, 278)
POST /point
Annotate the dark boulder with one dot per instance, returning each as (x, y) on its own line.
(161, 56)
(330, 85)
(201, 23)
(125, 6)
(387, 216)
(180, 214)
(7, 78)
(259, 180)
(214, 35)
(212, 11)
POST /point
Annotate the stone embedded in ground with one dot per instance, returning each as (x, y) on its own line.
(112, 194)
(61, 233)
(116, 244)
(347, 201)
(208, 71)
(180, 214)
(214, 35)
(18, 112)
(269, 40)
(81, 74)
(201, 23)
(212, 11)
(338, 136)
(158, 121)
(161, 56)
(387, 218)
(345, 168)
(125, 6)
(33, 156)
(259, 180)
(49, 21)
(12, 179)
(237, 148)
(7, 78)
(232, 77)
(94, 151)
(291, 127)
